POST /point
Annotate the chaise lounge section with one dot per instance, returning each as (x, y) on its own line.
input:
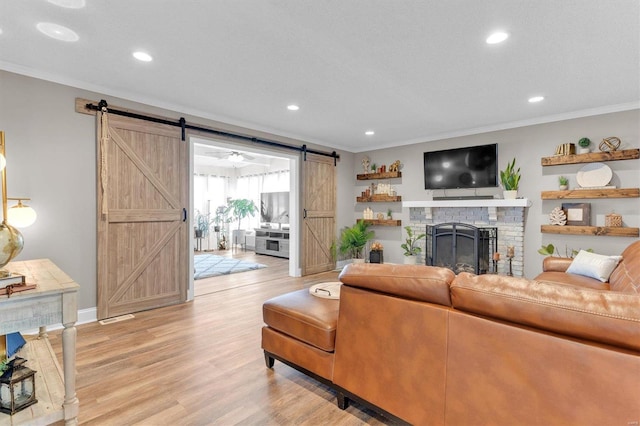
(429, 347)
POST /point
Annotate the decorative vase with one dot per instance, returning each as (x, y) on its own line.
(583, 150)
(510, 195)
(563, 187)
(410, 260)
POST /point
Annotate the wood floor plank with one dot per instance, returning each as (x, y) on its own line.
(200, 363)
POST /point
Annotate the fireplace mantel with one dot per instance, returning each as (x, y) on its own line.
(495, 202)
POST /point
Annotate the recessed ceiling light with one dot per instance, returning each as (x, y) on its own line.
(536, 99)
(293, 107)
(70, 4)
(369, 133)
(497, 37)
(57, 31)
(142, 56)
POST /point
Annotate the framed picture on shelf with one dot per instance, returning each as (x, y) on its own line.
(578, 214)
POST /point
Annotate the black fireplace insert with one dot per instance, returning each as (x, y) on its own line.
(462, 247)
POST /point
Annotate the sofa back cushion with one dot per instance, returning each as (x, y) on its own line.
(626, 277)
(597, 315)
(417, 282)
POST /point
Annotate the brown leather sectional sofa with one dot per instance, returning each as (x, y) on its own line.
(432, 348)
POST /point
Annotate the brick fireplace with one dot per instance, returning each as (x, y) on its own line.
(507, 216)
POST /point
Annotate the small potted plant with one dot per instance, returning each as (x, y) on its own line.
(584, 146)
(411, 249)
(389, 214)
(563, 182)
(510, 178)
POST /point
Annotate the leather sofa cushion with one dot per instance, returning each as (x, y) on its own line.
(310, 319)
(417, 282)
(598, 315)
(554, 277)
(626, 277)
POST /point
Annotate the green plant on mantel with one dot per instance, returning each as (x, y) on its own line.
(510, 177)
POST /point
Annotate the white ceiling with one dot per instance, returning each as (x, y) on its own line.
(216, 154)
(412, 70)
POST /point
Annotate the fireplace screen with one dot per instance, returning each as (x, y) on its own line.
(462, 247)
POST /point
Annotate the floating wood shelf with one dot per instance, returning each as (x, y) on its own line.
(385, 175)
(378, 198)
(625, 154)
(591, 230)
(592, 193)
(384, 222)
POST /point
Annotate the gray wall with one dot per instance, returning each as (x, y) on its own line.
(528, 145)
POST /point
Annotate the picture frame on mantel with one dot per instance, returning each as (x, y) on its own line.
(578, 214)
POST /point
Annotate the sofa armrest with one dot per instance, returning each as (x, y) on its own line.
(417, 282)
(598, 315)
(556, 264)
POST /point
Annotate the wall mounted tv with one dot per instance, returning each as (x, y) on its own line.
(274, 207)
(470, 167)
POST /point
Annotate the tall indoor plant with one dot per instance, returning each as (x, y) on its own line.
(241, 208)
(354, 239)
(510, 178)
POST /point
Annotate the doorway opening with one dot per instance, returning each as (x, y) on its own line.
(221, 171)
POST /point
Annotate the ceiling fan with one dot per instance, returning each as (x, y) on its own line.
(233, 156)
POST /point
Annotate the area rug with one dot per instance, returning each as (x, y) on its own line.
(210, 265)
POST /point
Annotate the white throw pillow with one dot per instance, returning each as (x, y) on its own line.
(593, 265)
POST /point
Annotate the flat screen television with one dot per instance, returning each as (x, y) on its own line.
(469, 167)
(274, 207)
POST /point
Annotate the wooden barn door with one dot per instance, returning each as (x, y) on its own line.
(142, 233)
(318, 219)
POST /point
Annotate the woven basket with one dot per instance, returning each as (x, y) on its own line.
(613, 220)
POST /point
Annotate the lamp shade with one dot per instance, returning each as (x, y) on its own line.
(21, 215)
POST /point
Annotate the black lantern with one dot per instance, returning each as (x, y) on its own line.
(17, 387)
(376, 256)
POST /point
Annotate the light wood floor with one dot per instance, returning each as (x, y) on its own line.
(200, 363)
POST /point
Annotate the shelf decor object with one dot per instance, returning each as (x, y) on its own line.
(613, 220)
(610, 144)
(578, 214)
(594, 175)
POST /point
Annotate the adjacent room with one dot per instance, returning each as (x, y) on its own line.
(319, 213)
